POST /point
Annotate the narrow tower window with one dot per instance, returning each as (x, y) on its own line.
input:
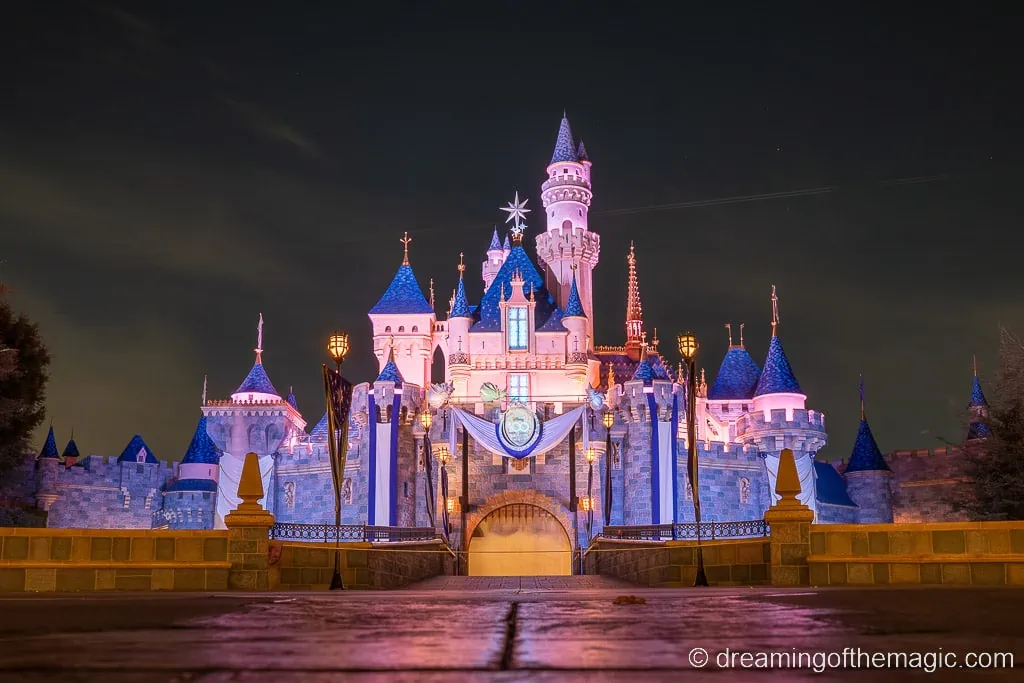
(519, 387)
(517, 333)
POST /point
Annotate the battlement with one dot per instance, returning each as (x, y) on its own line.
(568, 242)
(781, 419)
(716, 452)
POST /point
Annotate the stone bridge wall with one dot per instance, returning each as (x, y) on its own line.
(674, 563)
(309, 566)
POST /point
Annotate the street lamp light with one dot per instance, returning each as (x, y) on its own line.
(449, 503)
(443, 455)
(608, 419)
(337, 346)
(688, 348)
(426, 419)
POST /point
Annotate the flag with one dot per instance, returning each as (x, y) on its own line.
(338, 393)
(691, 457)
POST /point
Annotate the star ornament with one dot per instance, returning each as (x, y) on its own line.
(517, 230)
(516, 211)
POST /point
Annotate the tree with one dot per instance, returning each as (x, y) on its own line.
(23, 373)
(995, 464)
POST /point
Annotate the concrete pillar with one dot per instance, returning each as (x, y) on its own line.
(249, 533)
(790, 522)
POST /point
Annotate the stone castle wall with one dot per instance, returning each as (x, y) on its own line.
(102, 493)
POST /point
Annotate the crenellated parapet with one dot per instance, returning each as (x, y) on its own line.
(634, 404)
(797, 429)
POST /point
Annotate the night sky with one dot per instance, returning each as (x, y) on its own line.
(169, 170)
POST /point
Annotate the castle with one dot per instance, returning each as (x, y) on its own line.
(526, 393)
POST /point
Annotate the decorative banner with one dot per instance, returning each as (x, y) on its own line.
(382, 509)
(518, 435)
(662, 487)
(339, 404)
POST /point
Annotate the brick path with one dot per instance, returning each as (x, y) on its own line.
(516, 583)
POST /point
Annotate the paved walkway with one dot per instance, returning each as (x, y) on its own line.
(521, 583)
(510, 633)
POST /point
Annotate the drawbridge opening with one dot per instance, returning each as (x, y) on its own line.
(520, 540)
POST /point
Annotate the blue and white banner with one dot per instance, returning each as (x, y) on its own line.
(663, 451)
(382, 509)
(515, 436)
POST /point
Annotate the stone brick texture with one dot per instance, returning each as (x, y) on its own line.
(975, 553)
(308, 566)
(674, 563)
(45, 560)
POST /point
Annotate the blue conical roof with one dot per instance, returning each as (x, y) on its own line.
(574, 307)
(71, 450)
(50, 446)
(581, 152)
(977, 397)
(403, 295)
(777, 377)
(495, 242)
(134, 448)
(390, 372)
(460, 309)
(319, 431)
(490, 310)
(866, 456)
(292, 401)
(737, 377)
(257, 382)
(202, 450)
(644, 372)
(565, 147)
(829, 486)
(506, 245)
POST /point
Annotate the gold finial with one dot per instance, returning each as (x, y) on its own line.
(728, 326)
(741, 334)
(405, 243)
(431, 293)
(531, 292)
(775, 313)
(654, 339)
(974, 359)
(462, 266)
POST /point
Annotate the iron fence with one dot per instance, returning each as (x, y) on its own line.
(757, 528)
(349, 533)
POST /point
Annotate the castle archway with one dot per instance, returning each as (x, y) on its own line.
(519, 539)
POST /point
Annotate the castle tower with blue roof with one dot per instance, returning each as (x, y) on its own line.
(868, 476)
(403, 317)
(190, 501)
(978, 411)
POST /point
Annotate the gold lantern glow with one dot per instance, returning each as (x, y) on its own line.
(337, 346)
(687, 345)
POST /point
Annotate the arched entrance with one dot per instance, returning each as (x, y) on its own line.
(520, 539)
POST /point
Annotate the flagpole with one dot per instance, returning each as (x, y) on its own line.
(338, 347)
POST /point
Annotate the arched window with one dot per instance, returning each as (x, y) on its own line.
(401, 328)
(415, 328)
(566, 225)
(388, 328)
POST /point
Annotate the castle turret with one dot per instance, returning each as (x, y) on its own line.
(48, 468)
(635, 335)
(732, 393)
(568, 247)
(256, 386)
(189, 502)
(978, 407)
(779, 419)
(496, 254)
(574, 319)
(71, 454)
(868, 476)
(405, 319)
(459, 321)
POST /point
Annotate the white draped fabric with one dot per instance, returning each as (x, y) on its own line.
(382, 497)
(805, 470)
(665, 437)
(484, 432)
(227, 487)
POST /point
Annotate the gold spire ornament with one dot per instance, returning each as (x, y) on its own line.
(728, 327)
(405, 243)
(775, 313)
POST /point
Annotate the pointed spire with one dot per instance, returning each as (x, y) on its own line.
(866, 456)
(291, 398)
(565, 147)
(405, 244)
(862, 397)
(431, 293)
(50, 446)
(71, 450)
(460, 307)
(505, 246)
(390, 372)
(741, 335)
(581, 152)
(574, 307)
(728, 327)
(775, 313)
(634, 309)
(201, 450)
(777, 376)
(495, 241)
(259, 341)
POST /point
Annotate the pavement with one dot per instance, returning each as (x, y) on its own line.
(515, 629)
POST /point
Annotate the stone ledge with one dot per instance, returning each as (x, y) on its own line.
(914, 559)
(42, 564)
(915, 526)
(145, 533)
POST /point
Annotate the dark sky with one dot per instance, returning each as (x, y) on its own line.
(169, 170)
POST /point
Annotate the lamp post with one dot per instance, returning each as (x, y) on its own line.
(426, 419)
(337, 347)
(688, 348)
(608, 419)
(589, 506)
(449, 503)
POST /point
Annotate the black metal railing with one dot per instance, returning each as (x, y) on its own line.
(349, 533)
(686, 531)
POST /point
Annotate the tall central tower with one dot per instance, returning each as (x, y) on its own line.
(567, 244)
